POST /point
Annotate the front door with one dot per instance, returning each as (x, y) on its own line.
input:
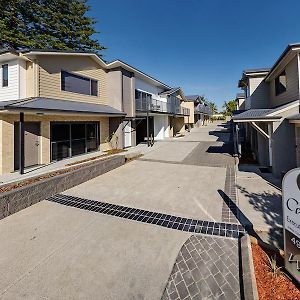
(127, 133)
(31, 144)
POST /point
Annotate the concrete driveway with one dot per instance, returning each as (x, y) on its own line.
(169, 179)
(52, 251)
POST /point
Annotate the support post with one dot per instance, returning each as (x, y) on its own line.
(148, 140)
(21, 144)
(189, 123)
(270, 131)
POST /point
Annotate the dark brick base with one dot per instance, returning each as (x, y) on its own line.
(20, 198)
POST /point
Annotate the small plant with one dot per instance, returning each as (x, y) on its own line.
(273, 267)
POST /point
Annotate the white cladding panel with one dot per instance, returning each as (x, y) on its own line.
(160, 126)
(149, 88)
(10, 92)
(22, 80)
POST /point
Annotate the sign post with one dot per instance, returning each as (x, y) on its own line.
(291, 221)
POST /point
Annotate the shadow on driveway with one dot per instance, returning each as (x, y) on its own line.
(272, 214)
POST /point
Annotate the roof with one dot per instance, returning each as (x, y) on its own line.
(192, 97)
(171, 91)
(264, 113)
(240, 95)
(258, 70)
(253, 114)
(57, 105)
(93, 55)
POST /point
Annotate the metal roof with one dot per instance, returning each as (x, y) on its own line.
(253, 114)
(265, 113)
(240, 95)
(67, 106)
(171, 91)
(192, 97)
(257, 70)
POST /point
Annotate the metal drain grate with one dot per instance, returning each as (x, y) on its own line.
(169, 221)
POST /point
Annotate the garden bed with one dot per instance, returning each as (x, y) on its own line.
(270, 286)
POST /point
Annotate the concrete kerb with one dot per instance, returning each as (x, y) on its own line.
(25, 196)
(249, 280)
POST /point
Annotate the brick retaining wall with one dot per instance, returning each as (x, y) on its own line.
(20, 198)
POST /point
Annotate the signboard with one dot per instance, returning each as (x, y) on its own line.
(291, 221)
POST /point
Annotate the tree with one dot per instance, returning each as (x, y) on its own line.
(229, 107)
(51, 24)
(213, 107)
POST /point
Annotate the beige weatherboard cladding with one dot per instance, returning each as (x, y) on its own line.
(49, 77)
(7, 135)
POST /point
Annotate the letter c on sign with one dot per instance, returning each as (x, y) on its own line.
(292, 205)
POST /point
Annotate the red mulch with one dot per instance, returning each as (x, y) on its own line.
(269, 287)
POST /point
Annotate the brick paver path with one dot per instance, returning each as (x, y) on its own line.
(207, 267)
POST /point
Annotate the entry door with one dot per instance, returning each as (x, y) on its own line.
(127, 134)
(31, 144)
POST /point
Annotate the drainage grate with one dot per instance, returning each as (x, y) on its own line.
(169, 221)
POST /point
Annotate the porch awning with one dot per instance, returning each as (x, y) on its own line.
(264, 114)
(40, 104)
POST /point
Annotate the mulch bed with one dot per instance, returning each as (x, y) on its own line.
(270, 287)
(108, 152)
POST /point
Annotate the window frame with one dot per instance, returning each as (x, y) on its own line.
(279, 87)
(83, 77)
(5, 83)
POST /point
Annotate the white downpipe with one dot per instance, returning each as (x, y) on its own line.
(270, 130)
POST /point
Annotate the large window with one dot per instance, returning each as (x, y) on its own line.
(280, 84)
(70, 139)
(78, 84)
(5, 75)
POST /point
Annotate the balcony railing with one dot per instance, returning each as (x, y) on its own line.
(153, 105)
(205, 109)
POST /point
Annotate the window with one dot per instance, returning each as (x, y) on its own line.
(280, 84)
(70, 139)
(5, 75)
(78, 84)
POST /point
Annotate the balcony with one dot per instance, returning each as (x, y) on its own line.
(204, 109)
(153, 105)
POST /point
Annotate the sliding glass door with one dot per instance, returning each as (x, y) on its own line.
(71, 139)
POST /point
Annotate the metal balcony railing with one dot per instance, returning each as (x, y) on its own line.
(153, 105)
(205, 109)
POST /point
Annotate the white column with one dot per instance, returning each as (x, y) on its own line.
(270, 131)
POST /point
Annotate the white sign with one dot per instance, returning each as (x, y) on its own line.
(291, 221)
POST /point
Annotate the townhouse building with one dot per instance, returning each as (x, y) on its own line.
(202, 110)
(59, 104)
(271, 116)
(240, 101)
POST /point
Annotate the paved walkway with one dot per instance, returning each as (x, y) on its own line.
(119, 235)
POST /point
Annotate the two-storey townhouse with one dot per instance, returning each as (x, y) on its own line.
(272, 115)
(153, 109)
(240, 101)
(58, 104)
(202, 110)
(53, 105)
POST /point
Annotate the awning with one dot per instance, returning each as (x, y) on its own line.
(56, 105)
(264, 114)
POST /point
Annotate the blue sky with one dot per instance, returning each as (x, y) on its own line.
(200, 45)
